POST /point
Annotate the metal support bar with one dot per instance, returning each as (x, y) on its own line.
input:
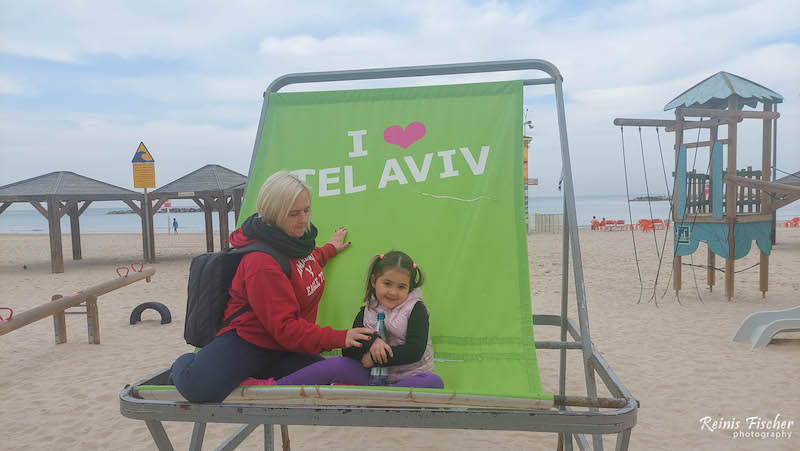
(238, 437)
(198, 433)
(558, 345)
(577, 264)
(159, 435)
(269, 438)
(538, 81)
(623, 440)
(565, 438)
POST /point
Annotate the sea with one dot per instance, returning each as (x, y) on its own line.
(24, 219)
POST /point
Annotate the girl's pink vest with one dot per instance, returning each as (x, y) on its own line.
(396, 322)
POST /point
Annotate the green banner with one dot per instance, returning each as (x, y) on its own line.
(435, 172)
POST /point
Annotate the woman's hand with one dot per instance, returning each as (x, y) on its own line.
(355, 334)
(338, 239)
(379, 349)
(366, 360)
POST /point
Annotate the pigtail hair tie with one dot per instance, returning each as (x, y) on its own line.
(414, 265)
(381, 256)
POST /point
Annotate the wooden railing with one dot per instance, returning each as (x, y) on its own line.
(748, 199)
(698, 200)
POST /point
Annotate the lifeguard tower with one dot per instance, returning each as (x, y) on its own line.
(727, 207)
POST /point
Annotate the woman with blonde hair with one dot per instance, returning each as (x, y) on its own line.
(277, 334)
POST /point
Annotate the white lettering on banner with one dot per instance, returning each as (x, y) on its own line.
(358, 148)
(330, 181)
(447, 159)
(392, 172)
(325, 180)
(302, 173)
(478, 168)
(348, 182)
(419, 175)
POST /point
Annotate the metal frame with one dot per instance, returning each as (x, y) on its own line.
(568, 423)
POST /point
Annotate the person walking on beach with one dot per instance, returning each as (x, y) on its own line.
(175, 225)
(278, 335)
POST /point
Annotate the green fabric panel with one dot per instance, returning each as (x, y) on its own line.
(716, 180)
(466, 231)
(715, 235)
(680, 183)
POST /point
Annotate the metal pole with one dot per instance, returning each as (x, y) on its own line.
(148, 255)
(774, 231)
(562, 367)
(580, 290)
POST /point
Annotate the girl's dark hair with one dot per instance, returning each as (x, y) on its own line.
(392, 260)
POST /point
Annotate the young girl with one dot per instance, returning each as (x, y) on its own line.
(392, 288)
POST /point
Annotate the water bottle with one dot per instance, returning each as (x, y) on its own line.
(380, 375)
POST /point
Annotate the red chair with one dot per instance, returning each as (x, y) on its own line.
(658, 224)
(610, 224)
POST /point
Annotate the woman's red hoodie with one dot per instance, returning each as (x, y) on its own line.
(284, 311)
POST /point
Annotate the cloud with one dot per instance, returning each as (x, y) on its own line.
(13, 86)
(102, 147)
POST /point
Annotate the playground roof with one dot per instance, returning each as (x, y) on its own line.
(791, 179)
(64, 185)
(713, 92)
(210, 179)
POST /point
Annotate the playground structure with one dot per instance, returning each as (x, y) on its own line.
(57, 308)
(727, 207)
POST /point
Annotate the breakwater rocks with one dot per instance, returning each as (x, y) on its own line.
(163, 210)
(651, 198)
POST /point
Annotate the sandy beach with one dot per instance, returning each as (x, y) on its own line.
(677, 359)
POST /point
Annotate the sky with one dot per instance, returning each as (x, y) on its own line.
(83, 82)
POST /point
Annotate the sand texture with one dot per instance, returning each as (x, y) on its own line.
(677, 359)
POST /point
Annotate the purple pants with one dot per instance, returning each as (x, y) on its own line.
(347, 371)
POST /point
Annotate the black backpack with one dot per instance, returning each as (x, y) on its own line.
(210, 277)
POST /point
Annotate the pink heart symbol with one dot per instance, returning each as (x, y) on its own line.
(398, 136)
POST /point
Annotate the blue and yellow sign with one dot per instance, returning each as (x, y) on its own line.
(144, 168)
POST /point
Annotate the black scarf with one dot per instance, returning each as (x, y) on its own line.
(254, 228)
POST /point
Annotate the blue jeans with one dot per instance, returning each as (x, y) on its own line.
(216, 370)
